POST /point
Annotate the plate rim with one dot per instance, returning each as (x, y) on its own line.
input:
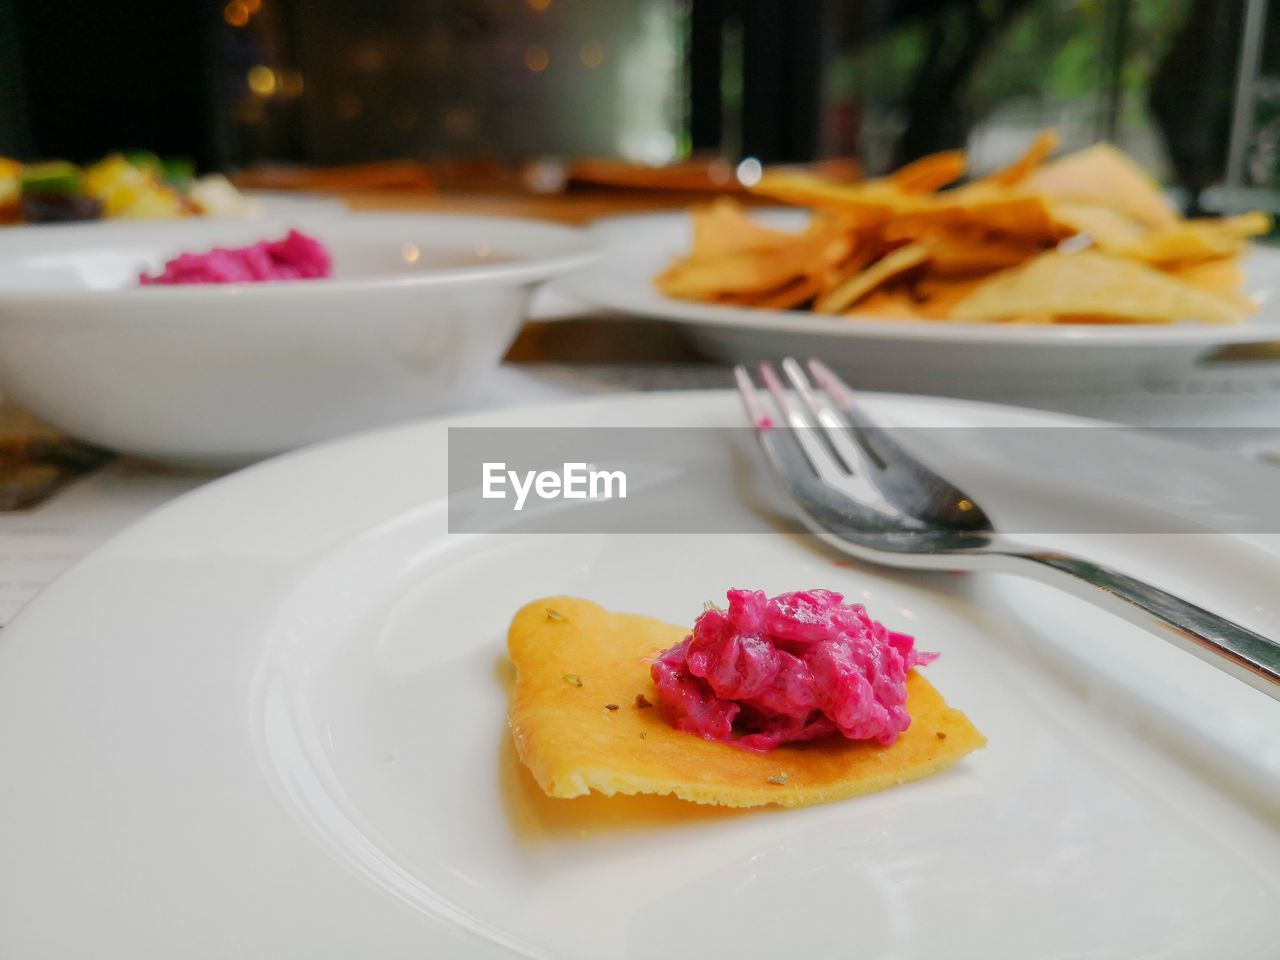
(573, 248)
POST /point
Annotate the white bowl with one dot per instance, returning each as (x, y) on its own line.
(418, 310)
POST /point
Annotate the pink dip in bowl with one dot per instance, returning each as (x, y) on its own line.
(296, 257)
(793, 667)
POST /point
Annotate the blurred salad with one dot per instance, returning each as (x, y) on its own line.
(129, 186)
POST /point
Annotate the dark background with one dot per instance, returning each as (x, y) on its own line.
(80, 78)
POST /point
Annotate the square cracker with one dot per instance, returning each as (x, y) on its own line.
(577, 726)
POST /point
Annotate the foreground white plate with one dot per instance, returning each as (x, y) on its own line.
(269, 721)
(990, 361)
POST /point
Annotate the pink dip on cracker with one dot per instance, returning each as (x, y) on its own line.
(794, 667)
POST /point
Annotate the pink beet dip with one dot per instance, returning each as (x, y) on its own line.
(794, 667)
(296, 257)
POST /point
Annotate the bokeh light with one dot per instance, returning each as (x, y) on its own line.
(537, 59)
(591, 54)
(262, 80)
(749, 172)
(236, 13)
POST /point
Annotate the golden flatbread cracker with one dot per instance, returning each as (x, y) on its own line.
(1194, 240)
(1044, 144)
(892, 264)
(1103, 176)
(887, 304)
(869, 202)
(952, 255)
(748, 271)
(930, 173)
(578, 726)
(743, 272)
(1108, 229)
(865, 249)
(1099, 198)
(1224, 276)
(985, 207)
(791, 296)
(723, 227)
(1091, 283)
(937, 296)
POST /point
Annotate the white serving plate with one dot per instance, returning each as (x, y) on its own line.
(419, 311)
(269, 721)
(282, 204)
(1006, 362)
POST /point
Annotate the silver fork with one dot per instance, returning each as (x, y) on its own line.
(861, 491)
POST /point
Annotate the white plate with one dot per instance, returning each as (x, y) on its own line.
(282, 204)
(987, 361)
(269, 721)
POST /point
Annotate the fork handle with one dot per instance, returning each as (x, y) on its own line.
(1246, 655)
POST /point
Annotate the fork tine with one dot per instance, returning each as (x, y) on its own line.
(802, 387)
(790, 413)
(836, 427)
(750, 396)
(802, 428)
(879, 443)
(781, 446)
(841, 393)
(895, 459)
